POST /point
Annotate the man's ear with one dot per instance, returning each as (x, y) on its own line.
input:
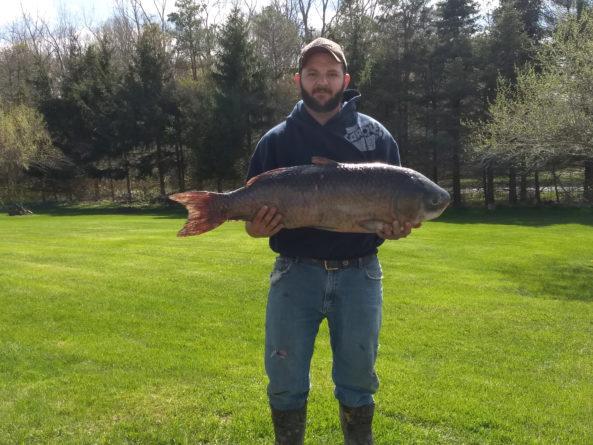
(297, 80)
(346, 80)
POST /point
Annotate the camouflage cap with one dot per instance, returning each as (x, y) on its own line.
(322, 44)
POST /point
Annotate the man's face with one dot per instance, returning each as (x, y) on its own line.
(322, 82)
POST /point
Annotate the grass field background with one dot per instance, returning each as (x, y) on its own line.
(112, 330)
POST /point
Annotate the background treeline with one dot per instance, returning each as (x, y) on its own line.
(495, 108)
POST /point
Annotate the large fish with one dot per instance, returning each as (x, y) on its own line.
(326, 195)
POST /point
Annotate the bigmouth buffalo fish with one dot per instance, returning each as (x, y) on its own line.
(327, 195)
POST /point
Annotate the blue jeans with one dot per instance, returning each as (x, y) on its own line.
(301, 295)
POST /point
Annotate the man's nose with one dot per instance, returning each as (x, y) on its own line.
(323, 80)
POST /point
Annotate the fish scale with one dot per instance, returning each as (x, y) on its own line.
(357, 198)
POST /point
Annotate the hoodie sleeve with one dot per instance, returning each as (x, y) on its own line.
(392, 150)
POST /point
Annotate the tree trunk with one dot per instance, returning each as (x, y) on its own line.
(489, 186)
(43, 194)
(588, 186)
(538, 198)
(97, 189)
(435, 131)
(180, 167)
(128, 182)
(512, 186)
(485, 185)
(159, 157)
(523, 188)
(555, 185)
(456, 177)
(194, 66)
(435, 169)
(111, 184)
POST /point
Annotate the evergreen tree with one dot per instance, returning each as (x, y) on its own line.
(150, 105)
(238, 104)
(355, 30)
(393, 85)
(456, 69)
(83, 119)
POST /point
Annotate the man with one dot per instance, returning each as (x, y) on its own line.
(320, 274)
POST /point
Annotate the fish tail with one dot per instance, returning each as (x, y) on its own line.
(204, 211)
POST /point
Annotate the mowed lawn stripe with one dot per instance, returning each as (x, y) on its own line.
(112, 330)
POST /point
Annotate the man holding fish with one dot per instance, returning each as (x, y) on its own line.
(323, 273)
(326, 187)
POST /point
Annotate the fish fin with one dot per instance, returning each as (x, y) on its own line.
(203, 214)
(264, 174)
(320, 160)
(372, 225)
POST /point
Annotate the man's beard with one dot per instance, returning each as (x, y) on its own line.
(314, 104)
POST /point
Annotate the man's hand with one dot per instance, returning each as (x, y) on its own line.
(396, 230)
(267, 222)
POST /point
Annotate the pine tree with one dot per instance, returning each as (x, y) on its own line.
(238, 104)
(148, 103)
(455, 62)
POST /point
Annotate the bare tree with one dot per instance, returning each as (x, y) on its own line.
(304, 8)
(327, 11)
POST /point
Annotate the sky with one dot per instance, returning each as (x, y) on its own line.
(93, 12)
(81, 11)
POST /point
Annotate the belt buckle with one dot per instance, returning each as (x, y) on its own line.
(327, 267)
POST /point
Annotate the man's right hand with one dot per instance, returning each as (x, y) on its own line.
(267, 222)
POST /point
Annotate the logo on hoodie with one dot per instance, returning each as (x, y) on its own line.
(364, 137)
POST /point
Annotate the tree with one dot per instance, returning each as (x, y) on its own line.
(277, 38)
(149, 104)
(456, 69)
(505, 50)
(546, 120)
(191, 32)
(83, 120)
(355, 28)
(24, 144)
(238, 104)
(393, 83)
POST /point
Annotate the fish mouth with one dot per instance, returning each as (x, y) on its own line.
(437, 205)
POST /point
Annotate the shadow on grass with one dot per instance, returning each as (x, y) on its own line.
(555, 281)
(519, 216)
(173, 211)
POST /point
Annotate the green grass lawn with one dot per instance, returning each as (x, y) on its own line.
(112, 330)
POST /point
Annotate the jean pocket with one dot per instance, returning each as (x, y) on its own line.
(281, 268)
(373, 270)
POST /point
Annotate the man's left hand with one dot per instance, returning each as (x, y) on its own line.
(396, 230)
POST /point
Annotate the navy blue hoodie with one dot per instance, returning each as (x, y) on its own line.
(349, 136)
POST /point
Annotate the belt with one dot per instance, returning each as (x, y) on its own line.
(330, 265)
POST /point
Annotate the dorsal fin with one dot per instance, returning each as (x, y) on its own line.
(264, 174)
(320, 160)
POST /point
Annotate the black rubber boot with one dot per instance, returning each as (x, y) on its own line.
(357, 424)
(289, 426)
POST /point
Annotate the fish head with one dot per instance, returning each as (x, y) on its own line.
(418, 199)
